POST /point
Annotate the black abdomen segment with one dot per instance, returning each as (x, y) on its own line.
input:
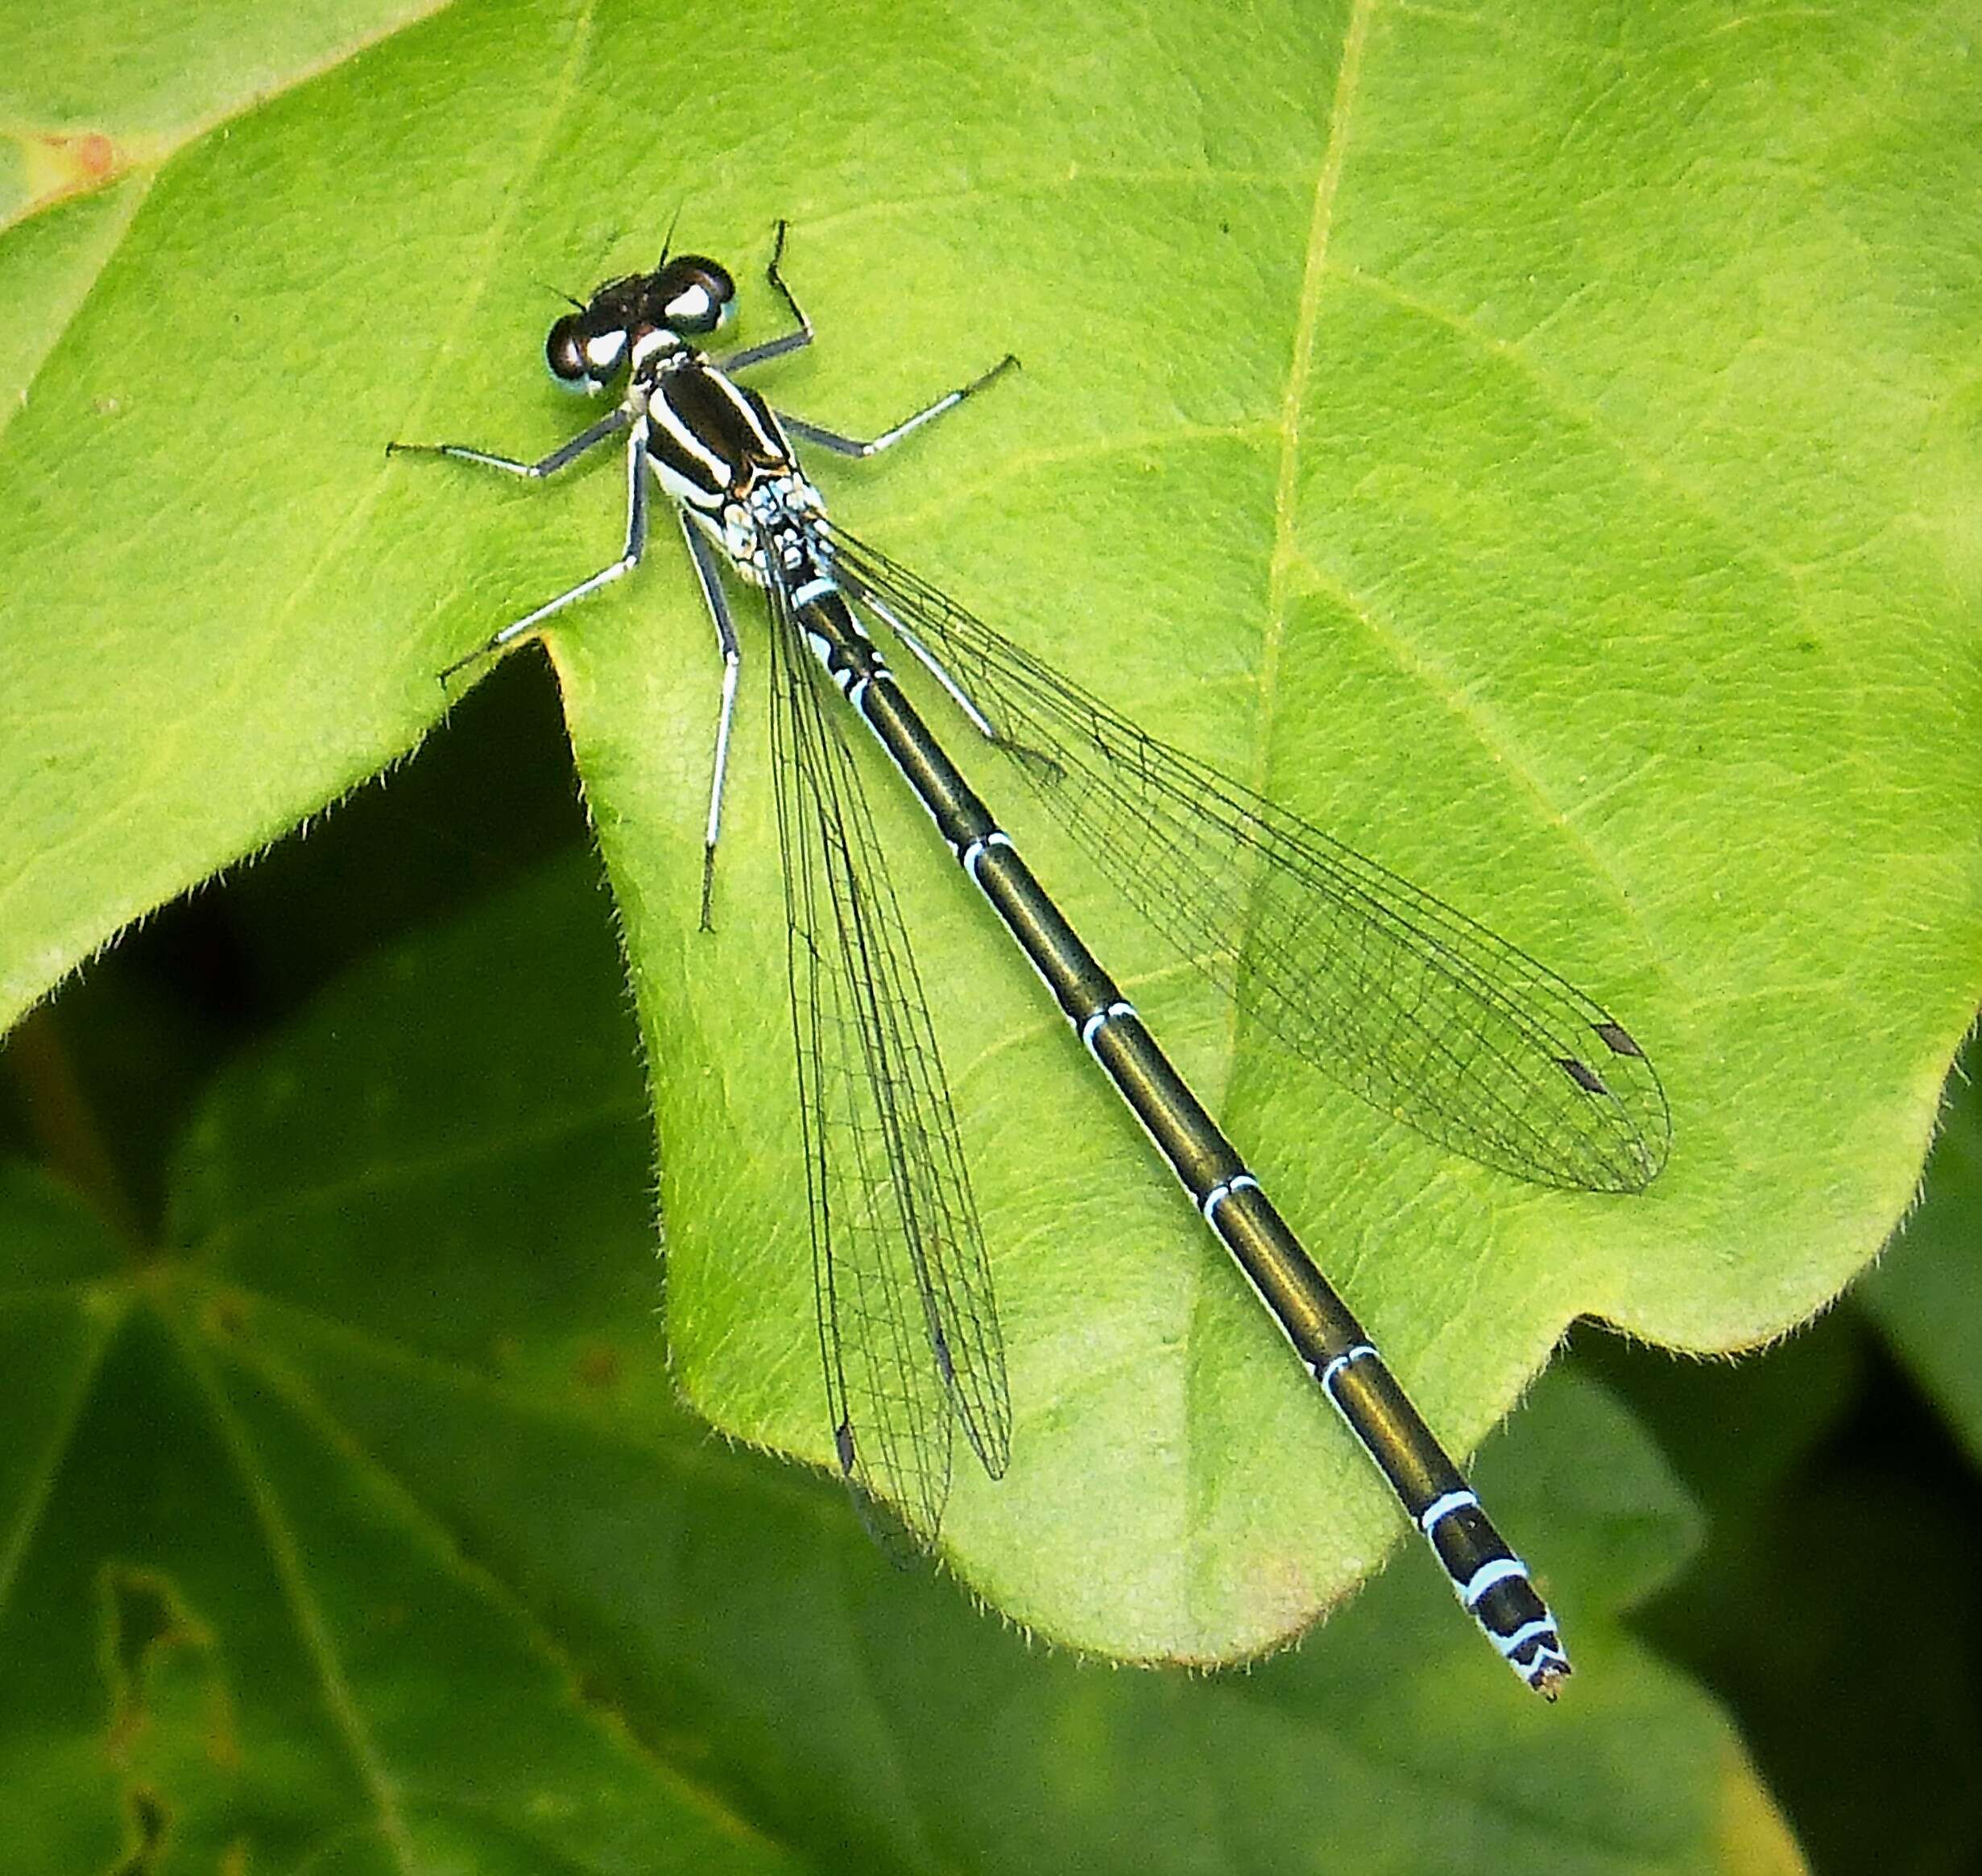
(1491, 1581)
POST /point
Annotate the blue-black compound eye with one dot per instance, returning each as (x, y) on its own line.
(579, 354)
(693, 294)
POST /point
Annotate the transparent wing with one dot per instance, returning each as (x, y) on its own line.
(1423, 1013)
(907, 1323)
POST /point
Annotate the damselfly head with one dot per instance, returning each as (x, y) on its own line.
(685, 297)
(585, 349)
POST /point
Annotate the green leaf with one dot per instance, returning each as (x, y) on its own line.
(1830, 1499)
(1846, 1487)
(354, 1529)
(1539, 447)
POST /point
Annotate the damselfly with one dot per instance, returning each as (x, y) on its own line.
(1420, 1010)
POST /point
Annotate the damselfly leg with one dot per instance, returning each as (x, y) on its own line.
(562, 457)
(631, 555)
(842, 445)
(708, 567)
(789, 342)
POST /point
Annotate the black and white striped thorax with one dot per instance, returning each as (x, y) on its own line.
(721, 453)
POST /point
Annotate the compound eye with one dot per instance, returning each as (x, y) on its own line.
(582, 357)
(700, 294)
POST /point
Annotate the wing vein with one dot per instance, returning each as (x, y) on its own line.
(1425, 1013)
(908, 1331)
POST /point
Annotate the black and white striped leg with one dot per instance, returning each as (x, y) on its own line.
(708, 566)
(629, 558)
(843, 445)
(790, 341)
(562, 457)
